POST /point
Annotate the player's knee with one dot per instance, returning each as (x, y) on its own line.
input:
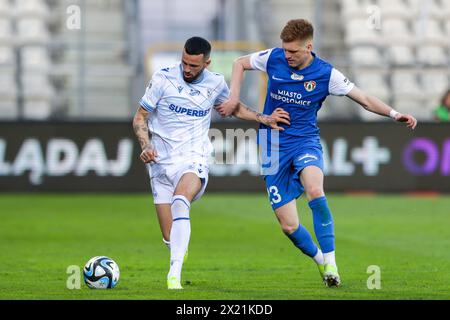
(314, 193)
(288, 228)
(183, 193)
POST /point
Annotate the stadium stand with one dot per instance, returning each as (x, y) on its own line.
(52, 71)
(8, 88)
(388, 47)
(413, 36)
(100, 87)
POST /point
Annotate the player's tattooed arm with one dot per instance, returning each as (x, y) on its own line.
(278, 116)
(140, 127)
(230, 106)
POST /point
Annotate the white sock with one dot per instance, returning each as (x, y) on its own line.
(179, 234)
(167, 243)
(330, 258)
(318, 258)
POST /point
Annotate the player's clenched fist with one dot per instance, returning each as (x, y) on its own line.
(227, 108)
(149, 155)
(410, 121)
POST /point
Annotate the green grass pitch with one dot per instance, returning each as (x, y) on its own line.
(237, 250)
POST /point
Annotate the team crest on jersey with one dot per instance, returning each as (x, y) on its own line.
(310, 86)
(194, 92)
(298, 77)
(180, 88)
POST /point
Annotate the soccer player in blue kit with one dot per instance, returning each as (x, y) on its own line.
(299, 82)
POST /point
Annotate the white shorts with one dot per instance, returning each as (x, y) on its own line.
(164, 179)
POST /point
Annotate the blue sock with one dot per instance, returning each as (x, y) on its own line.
(303, 240)
(323, 224)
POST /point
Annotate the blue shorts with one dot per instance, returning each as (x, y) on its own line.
(284, 185)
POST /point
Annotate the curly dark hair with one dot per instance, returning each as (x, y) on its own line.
(197, 46)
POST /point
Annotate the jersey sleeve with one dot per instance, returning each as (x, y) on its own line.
(224, 93)
(339, 85)
(258, 60)
(153, 93)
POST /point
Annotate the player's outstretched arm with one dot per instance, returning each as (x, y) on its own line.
(240, 65)
(375, 105)
(278, 116)
(140, 127)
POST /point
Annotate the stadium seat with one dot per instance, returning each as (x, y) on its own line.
(446, 10)
(397, 31)
(401, 55)
(7, 58)
(357, 32)
(32, 31)
(434, 82)
(38, 94)
(429, 31)
(5, 9)
(6, 33)
(37, 86)
(432, 56)
(35, 58)
(373, 82)
(8, 108)
(354, 8)
(419, 108)
(366, 56)
(398, 9)
(31, 9)
(35, 109)
(101, 107)
(8, 96)
(430, 8)
(405, 83)
(97, 20)
(447, 27)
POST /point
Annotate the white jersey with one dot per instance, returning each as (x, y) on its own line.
(181, 113)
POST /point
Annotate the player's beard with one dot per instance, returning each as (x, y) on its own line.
(192, 79)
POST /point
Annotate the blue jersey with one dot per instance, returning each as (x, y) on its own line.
(300, 93)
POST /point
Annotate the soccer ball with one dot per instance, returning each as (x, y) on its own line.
(101, 273)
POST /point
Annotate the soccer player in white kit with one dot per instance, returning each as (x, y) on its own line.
(176, 110)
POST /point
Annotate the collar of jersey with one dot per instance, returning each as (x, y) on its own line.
(307, 68)
(200, 79)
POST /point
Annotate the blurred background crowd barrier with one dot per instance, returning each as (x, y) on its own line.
(104, 156)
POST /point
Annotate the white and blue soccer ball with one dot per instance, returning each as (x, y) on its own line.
(101, 273)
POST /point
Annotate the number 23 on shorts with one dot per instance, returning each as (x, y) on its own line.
(274, 195)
